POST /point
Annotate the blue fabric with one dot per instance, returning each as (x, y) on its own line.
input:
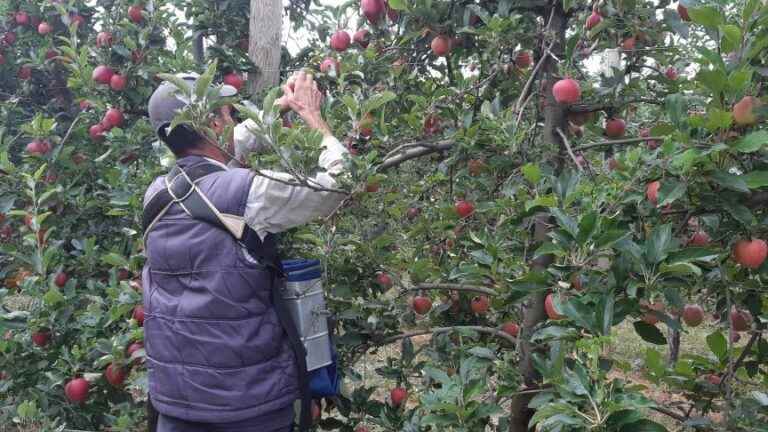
(216, 350)
(278, 421)
(325, 382)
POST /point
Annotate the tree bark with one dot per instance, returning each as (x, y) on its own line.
(533, 313)
(264, 43)
(674, 346)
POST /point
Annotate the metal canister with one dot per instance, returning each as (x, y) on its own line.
(304, 297)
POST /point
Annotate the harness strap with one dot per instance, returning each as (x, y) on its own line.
(181, 188)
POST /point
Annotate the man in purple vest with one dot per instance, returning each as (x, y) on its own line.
(218, 358)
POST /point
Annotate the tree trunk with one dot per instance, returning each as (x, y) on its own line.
(554, 118)
(264, 43)
(674, 346)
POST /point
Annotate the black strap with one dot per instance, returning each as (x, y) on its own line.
(180, 186)
(265, 251)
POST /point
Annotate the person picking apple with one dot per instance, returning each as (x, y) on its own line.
(221, 354)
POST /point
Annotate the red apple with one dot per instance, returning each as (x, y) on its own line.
(38, 147)
(84, 104)
(651, 318)
(511, 328)
(594, 20)
(475, 166)
(693, 315)
(671, 73)
(384, 280)
(743, 111)
(372, 187)
(9, 38)
(118, 82)
(61, 279)
(397, 396)
(629, 43)
(373, 10)
(713, 379)
(113, 118)
(464, 208)
(432, 124)
(77, 20)
(340, 41)
(413, 213)
(421, 305)
(25, 73)
(699, 239)
(576, 282)
(750, 253)
(615, 127)
(480, 304)
(96, 132)
(115, 375)
(441, 45)
(740, 320)
(135, 13)
(652, 144)
(683, 12)
(234, 80)
(138, 315)
(41, 337)
(362, 38)
(523, 59)
(51, 54)
(76, 390)
(330, 64)
(104, 39)
(132, 348)
(21, 18)
(362, 428)
(652, 191)
(566, 91)
(549, 308)
(44, 28)
(102, 74)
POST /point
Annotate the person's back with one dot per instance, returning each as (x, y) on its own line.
(218, 357)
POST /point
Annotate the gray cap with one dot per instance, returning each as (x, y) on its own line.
(166, 102)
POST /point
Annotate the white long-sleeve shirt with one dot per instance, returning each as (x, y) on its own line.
(274, 206)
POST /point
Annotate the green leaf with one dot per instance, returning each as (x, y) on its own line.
(714, 80)
(756, 179)
(398, 4)
(541, 201)
(707, 16)
(718, 119)
(532, 173)
(437, 375)
(549, 249)
(658, 244)
(739, 79)
(680, 269)
(115, 260)
(565, 221)
(752, 142)
(670, 191)
(643, 426)
(483, 352)
(588, 225)
(53, 297)
(730, 181)
(203, 83)
(609, 238)
(740, 213)
(718, 345)
(731, 37)
(378, 100)
(649, 333)
(693, 254)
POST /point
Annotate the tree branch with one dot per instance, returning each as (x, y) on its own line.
(480, 329)
(618, 142)
(453, 287)
(413, 153)
(679, 417)
(737, 364)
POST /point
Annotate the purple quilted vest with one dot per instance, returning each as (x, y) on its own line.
(215, 348)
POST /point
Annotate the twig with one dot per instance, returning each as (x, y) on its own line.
(452, 287)
(414, 153)
(527, 86)
(299, 183)
(437, 330)
(618, 142)
(679, 417)
(569, 149)
(737, 364)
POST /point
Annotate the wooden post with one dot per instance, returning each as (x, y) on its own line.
(264, 43)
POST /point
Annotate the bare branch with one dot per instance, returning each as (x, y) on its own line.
(413, 153)
(453, 287)
(679, 417)
(619, 142)
(480, 329)
(531, 79)
(570, 150)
